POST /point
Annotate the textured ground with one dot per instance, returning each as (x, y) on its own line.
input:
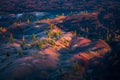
(87, 48)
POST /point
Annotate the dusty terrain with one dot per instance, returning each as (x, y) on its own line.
(71, 40)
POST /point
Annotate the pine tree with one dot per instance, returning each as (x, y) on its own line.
(57, 15)
(53, 43)
(40, 44)
(87, 29)
(45, 42)
(75, 33)
(28, 21)
(14, 23)
(34, 37)
(20, 53)
(50, 34)
(51, 26)
(1, 28)
(62, 14)
(24, 42)
(57, 34)
(11, 38)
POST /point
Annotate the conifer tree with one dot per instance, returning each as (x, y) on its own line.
(75, 33)
(11, 38)
(50, 34)
(57, 34)
(34, 37)
(20, 53)
(51, 26)
(40, 44)
(45, 42)
(1, 28)
(87, 29)
(53, 43)
(28, 21)
(23, 40)
(62, 14)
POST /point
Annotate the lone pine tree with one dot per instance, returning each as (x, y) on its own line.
(34, 37)
(11, 38)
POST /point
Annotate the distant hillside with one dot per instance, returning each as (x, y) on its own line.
(56, 5)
